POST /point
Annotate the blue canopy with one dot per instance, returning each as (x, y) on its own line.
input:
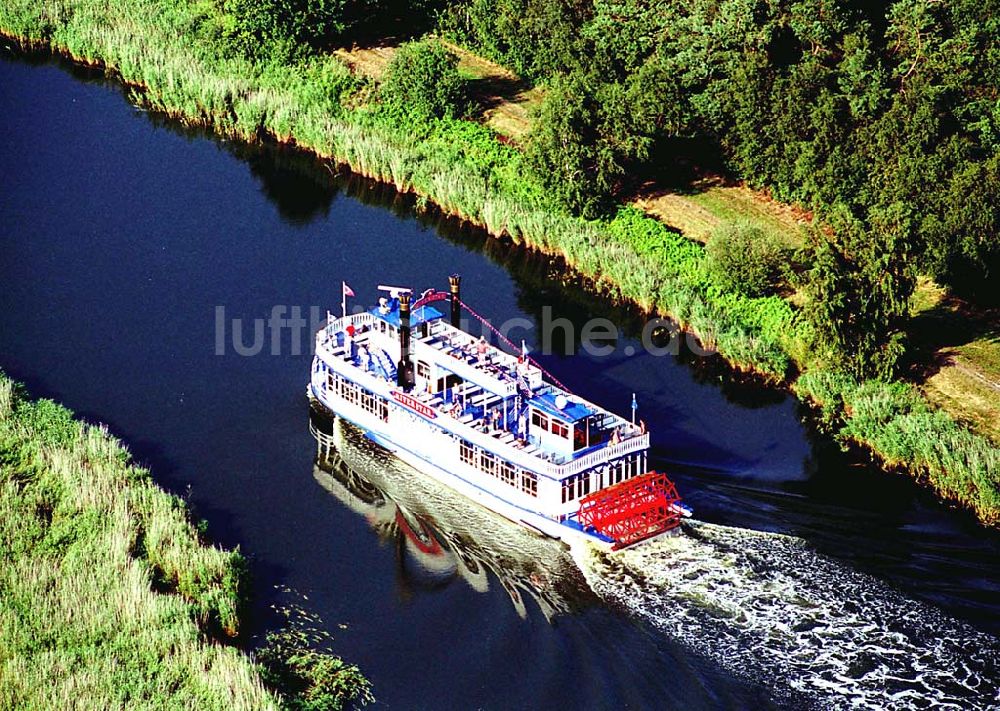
(573, 412)
(420, 315)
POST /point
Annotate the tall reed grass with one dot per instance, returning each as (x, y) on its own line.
(83, 538)
(895, 422)
(108, 599)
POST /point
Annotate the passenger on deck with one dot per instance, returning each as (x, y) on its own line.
(349, 340)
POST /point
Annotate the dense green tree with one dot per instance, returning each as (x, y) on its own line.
(859, 287)
(839, 106)
(563, 148)
(622, 34)
(582, 142)
(659, 100)
(535, 38)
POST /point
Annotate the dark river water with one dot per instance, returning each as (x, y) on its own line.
(122, 240)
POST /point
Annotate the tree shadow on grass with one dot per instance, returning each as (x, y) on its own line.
(936, 333)
(492, 91)
(682, 166)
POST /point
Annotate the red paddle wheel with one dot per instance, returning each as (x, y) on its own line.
(633, 510)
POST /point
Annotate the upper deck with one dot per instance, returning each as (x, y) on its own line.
(480, 393)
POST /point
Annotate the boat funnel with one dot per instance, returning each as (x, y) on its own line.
(404, 370)
(454, 282)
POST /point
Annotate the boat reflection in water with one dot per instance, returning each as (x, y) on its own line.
(439, 535)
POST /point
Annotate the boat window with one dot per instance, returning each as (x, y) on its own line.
(423, 370)
(529, 483)
(568, 486)
(585, 434)
(357, 395)
(559, 429)
(540, 420)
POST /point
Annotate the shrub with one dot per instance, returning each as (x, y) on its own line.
(312, 679)
(745, 258)
(423, 79)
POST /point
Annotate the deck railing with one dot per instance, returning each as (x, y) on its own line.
(496, 382)
(337, 324)
(604, 454)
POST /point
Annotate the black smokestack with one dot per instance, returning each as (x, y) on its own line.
(404, 371)
(454, 282)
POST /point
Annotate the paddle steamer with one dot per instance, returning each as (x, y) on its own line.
(490, 423)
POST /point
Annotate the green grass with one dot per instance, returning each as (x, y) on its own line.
(736, 204)
(958, 346)
(84, 539)
(108, 597)
(705, 206)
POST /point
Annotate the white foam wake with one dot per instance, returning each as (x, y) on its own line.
(769, 608)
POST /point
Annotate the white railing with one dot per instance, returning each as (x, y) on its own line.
(336, 324)
(347, 368)
(604, 454)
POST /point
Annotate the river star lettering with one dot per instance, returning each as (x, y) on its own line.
(412, 403)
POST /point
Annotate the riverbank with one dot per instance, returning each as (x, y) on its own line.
(108, 596)
(461, 167)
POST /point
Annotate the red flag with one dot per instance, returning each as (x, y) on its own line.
(348, 291)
